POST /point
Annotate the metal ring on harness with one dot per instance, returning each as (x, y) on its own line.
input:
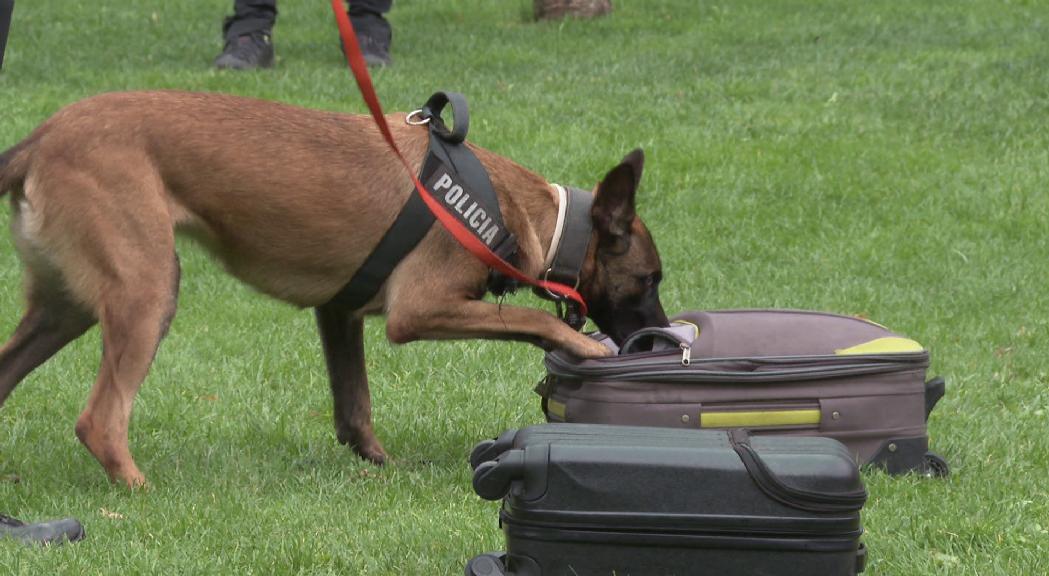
(423, 119)
(556, 297)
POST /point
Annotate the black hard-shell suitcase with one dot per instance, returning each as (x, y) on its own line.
(589, 499)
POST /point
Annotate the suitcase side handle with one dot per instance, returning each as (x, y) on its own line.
(807, 500)
(934, 391)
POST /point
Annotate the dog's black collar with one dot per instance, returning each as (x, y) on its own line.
(568, 248)
(564, 259)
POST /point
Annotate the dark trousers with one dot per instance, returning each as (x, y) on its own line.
(256, 15)
(6, 8)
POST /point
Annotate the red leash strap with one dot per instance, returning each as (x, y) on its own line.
(456, 228)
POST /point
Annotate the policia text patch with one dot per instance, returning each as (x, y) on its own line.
(450, 191)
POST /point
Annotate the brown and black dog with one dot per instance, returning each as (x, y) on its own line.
(292, 201)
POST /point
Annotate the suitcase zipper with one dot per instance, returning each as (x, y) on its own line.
(848, 527)
(807, 500)
(649, 371)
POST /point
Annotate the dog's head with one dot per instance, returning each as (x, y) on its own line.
(620, 281)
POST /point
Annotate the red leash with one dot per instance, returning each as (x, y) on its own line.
(450, 223)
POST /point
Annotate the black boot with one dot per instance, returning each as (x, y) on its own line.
(374, 36)
(53, 532)
(247, 52)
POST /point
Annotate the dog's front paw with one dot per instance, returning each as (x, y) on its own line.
(374, 453)
(589, 348)
(364, 443)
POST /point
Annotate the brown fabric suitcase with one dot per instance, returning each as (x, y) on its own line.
(787, 372)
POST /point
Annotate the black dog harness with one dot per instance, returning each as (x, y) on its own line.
(455, 177)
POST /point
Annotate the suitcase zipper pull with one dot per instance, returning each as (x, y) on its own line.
(686, 354)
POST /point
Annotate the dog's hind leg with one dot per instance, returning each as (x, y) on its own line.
(50, 322)
(105, 223)
(342, 336)
(52, 318)
(134, 314)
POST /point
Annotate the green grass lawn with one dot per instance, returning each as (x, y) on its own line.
(880, 158)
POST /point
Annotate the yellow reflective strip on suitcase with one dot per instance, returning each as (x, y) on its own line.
(888, 345)
(759, 418)
(695, 327)
(556, 408)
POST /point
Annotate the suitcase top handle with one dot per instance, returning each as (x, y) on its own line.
(679, 333)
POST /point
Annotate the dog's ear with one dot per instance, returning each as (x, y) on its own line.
(613, 208)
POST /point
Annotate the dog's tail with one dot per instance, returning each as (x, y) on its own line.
(14, 164)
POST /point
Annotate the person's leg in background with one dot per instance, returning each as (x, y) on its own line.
(373, 30)
(7, 7)
(248, 35)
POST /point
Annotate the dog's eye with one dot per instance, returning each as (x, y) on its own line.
(652, 279)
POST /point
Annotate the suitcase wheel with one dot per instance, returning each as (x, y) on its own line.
(491, 564)
(480, 453)
(492, 479)
(936, 466)
(491, 449)
(861, 558)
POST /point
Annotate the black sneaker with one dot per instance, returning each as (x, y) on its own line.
(54, 532)
(373, 35)
(247, 52)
